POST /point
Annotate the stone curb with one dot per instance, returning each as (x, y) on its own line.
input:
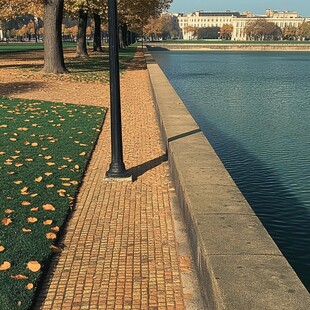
(239, 266)
(230, 47)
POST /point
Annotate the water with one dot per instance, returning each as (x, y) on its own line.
(254, 107)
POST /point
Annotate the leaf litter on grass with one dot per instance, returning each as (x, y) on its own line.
(39, 152)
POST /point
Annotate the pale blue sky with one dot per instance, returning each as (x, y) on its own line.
(255, 6)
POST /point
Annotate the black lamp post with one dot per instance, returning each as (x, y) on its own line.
(117, 167)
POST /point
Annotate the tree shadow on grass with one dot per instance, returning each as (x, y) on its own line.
(8, 89)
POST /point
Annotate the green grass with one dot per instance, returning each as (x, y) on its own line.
(228, 42)
(44, 151)
(13, 47)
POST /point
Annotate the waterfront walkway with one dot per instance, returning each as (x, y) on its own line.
(120, 246)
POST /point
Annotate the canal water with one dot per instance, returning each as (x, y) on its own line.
(254, 108)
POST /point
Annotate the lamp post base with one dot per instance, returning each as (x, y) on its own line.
(117, 173)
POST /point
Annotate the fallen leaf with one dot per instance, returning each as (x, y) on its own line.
(48, 207)
(34, 195)
(38, 179)
(8, 211)
(2, 248)
(48, 157)
(29, 286)
(6, 265)
(24, 190)
(77, 167)
(50, 235)
(34, 144)
(34, 209)
(47, 222)
(13, 139)
(18, 164)
(18, 182)
(6, 221)
(66, 184)
(55, 228)
(65, 179)
(26, 203)
(50, 185)
(19, 303)
(83, 154)
(48, 173)
(34, 266)
(56, 249)
(28, 159)
(50, 163)
(19, 276)
(32, 219)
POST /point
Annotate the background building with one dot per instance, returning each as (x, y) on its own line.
(191, 23)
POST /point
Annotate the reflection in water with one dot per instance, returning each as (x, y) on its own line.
(255, 108)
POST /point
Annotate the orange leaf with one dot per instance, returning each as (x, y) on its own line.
(34, 144)
(66, 184)
(19, 276)
(24, 189)
(50, 235)
(9, 211)
(50, 185)
(18, 182)
(38, 179)
(18, 164)
(48, 207)
(48, 173)
(29, 286)
(48, 157)
(26, 203)
(6, 265)
(77, 167)
(2, 248)
(83, 153)
(32, 219)
(56, 228)
(47, 222)
(50, 163)
(26, 230)
(34, 209)
(33, 266)
(6, 221)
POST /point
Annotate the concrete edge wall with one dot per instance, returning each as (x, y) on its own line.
(231, 47)
(239, 266)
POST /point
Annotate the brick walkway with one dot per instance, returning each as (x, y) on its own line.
(120, 243)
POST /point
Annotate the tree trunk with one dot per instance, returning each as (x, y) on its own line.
(53, 51)
(97, 35)
(81, 48)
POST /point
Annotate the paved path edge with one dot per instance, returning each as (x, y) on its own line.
(239, 265)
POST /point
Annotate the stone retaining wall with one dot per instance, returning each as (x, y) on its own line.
(239, 266)
(231, 47)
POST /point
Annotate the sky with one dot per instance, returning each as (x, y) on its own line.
(254, 6)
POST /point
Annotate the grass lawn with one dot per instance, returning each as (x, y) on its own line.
(15, 47)
(44, 150)
(96, 67)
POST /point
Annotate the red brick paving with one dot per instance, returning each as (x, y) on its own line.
(120, 244)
